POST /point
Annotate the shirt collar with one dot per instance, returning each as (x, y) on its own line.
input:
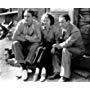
(26, 24)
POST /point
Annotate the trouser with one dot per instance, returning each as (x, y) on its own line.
(24, 51)
(56, 60)
(46, 61)
(67, 55)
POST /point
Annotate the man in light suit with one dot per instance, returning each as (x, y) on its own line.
(72, 46)
(26, 39)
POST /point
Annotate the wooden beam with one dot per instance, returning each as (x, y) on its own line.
(8, 13)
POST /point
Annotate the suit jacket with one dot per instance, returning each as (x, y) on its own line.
(72, 37)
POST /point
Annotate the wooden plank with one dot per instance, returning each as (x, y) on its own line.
(84, 9)
(9, 13)
(81, 63)
(75, 17)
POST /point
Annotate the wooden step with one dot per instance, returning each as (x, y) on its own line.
(82, 62)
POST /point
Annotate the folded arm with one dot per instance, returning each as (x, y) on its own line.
(17, 35)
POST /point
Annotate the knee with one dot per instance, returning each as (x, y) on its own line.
(53, 50)
(65, 51)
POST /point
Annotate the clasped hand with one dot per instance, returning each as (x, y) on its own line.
(27, 37)
(56, 46)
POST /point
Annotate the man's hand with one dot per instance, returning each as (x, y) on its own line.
(27, 37)
(53, 50)
(21, 38)
(56, 46)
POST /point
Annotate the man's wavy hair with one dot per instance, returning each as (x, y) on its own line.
(67, 17)
(33, 13)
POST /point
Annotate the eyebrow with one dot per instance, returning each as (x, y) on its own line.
(61, 22)
(27, 15)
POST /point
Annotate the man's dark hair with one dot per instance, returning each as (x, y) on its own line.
(33, 13)
(67, 17)
(29, 11)
(52, 21)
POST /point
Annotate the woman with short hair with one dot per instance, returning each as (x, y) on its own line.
(44, 67)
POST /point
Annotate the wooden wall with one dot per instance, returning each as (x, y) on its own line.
(82, 21)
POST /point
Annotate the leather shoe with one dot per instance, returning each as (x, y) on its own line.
(28, 76)
(64, 79)
(43, 78)
(43, 75)
(24, 75)
(36, 75)
(54, 76)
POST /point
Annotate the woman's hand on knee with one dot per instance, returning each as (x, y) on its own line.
(53, 50)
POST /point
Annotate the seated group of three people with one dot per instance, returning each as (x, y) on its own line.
(60, 45)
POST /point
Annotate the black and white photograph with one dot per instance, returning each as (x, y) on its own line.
(44, 45)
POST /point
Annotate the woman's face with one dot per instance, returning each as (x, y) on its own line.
(45, 22)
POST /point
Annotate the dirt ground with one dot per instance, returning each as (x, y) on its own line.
(8, 72)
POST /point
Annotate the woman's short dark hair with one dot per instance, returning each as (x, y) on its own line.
(50, 17)
(52, 21)
(67, 17)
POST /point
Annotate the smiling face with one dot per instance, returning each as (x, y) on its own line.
(45, 21)
(28, 17)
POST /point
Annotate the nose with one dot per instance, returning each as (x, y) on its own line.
(26, 18)
(60, 24)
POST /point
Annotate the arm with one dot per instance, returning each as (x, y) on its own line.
(71, 40)
(17, 35)
(75, 34)
(36, 37)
